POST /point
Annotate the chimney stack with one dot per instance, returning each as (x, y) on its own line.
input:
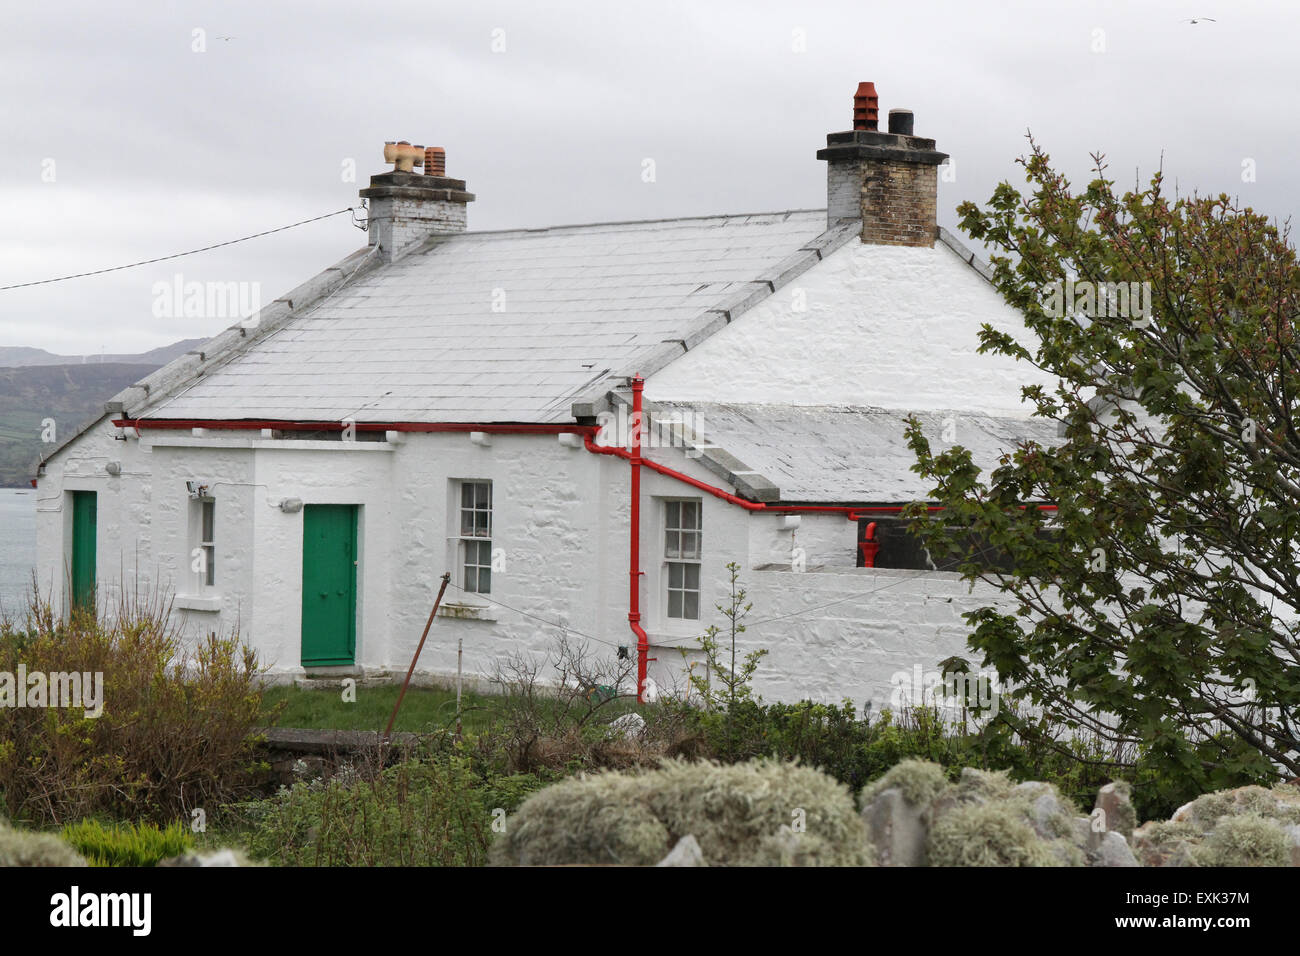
(888, 180)
(406, 207)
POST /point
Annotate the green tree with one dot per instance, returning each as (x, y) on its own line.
(732, 688)
(1162, 613)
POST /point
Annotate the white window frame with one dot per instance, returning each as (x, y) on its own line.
(669, 560)
(470, 574)
(203, 534)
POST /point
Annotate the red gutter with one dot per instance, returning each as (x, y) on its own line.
(495, 428)
(849, 511)
(227, 424)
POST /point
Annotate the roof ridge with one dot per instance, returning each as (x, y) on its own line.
(967, 256)
(629, 222)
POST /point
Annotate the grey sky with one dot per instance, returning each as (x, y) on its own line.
(158, 149)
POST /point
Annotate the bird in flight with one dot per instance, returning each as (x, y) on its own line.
(1200, 20)
(227, 38)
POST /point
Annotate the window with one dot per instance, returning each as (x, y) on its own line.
(682, 552)
(476, 536)
(203, 556)
(897, 547)
(324, 435)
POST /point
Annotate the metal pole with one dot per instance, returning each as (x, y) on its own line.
(446, 579)
(459, 644)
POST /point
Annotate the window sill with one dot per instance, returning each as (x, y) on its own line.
(467, 612)
(674, 633)
(195, 602)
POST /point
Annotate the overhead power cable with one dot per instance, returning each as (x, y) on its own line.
(177, 255)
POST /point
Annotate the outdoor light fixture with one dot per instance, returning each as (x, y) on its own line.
(291, 506)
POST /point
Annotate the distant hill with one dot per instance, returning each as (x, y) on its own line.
(21, 356)
(36, 385)
(72, 395)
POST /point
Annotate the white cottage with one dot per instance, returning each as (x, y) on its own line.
(445, 400)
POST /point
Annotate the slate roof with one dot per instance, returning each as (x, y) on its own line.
(835, 453)
(508, 326)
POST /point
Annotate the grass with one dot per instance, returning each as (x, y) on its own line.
(130, 844)
(423, 710)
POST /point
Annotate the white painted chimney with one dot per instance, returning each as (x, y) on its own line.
(406, 207)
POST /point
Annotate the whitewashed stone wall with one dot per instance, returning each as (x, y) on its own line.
(561, 518)
(846, 632)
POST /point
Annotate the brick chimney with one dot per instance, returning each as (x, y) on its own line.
(888, 180)
(406, 207)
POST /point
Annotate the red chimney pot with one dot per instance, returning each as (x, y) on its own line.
(435, 161)
(866, 107)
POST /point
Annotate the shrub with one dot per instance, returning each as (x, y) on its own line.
(1163, 837)
(1250, 839)
(428, 812)
(584, 820)
(127, 844)
(757, 813)
(175, 730)
(987, 834)
(23, 848)
(857, 750)
(1281, 803)
(979, 786)
(558, 709)
(920, 781)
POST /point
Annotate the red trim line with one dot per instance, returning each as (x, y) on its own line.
(852, 512)
(228, 424)
(520, 428)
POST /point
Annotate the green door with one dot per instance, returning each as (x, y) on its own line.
(329, 585)
(83, 549)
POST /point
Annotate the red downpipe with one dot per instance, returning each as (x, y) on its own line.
(869, 545)
(634, 548)
(634, 556)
